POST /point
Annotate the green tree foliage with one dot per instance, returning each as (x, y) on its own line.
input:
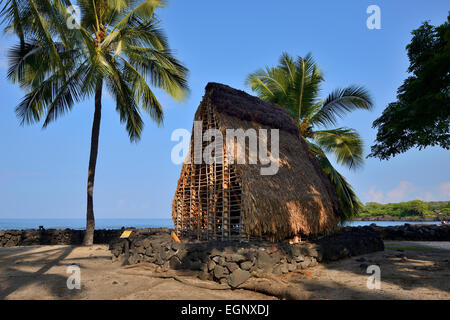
(421, 115)
(118, 45)
(295, 85)
(414, 208)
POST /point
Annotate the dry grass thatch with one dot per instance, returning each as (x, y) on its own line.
(236, 201)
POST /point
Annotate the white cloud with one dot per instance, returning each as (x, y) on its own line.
(406, 191)
(374, 196)
(427, 196)
(401, 192)
(444, 188)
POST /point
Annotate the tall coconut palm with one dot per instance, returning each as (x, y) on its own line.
(116, 44)
(294, 84)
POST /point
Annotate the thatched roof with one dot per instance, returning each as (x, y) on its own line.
(299, 199)
(239, 104)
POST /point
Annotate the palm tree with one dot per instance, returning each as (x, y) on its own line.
(295, 85)
(116, 44)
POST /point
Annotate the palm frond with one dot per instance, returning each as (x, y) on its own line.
(14, 14)
(125, 103)
(67, 93)
(340, 102)
(269, 84)
(293, 84)
(119, 43)
(42, 33)
(145, 10)
(143, 93)
(346, 144)
(288, 64)
(349, 202)
(20, 57)
(163, 70)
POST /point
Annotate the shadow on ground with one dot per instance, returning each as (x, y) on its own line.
(22, 267)
(408, 270)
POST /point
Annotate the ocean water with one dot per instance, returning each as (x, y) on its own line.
(387, 223)
(79, 224)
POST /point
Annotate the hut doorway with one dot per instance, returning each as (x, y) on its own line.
(208, 200)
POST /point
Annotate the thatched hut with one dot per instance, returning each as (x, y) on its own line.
(230, 201)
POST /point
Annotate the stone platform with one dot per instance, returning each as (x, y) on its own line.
(234, 262)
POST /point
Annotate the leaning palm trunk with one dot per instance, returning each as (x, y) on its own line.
(90, 220)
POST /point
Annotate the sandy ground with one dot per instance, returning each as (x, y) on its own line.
(409, 270)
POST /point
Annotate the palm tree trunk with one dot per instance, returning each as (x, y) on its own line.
(300, 99)
(90, 220)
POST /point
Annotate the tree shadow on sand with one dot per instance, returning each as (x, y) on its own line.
(409, 267)
(17, 267)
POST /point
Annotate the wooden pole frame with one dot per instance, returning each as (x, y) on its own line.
(208, 203)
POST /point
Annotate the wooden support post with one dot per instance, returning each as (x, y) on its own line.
(209, 206)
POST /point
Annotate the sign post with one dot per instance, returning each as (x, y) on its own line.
(126, 235)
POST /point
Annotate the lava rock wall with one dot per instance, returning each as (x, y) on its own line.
(234, 262)
(12, 238)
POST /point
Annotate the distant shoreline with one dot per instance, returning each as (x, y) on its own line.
(406, 219)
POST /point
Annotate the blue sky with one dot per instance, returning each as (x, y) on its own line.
(43, 173)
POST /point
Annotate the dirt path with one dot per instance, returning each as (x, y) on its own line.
(420, 271)
(409, 270)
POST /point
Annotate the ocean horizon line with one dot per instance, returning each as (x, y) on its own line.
(80, 223)
(138, 223)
